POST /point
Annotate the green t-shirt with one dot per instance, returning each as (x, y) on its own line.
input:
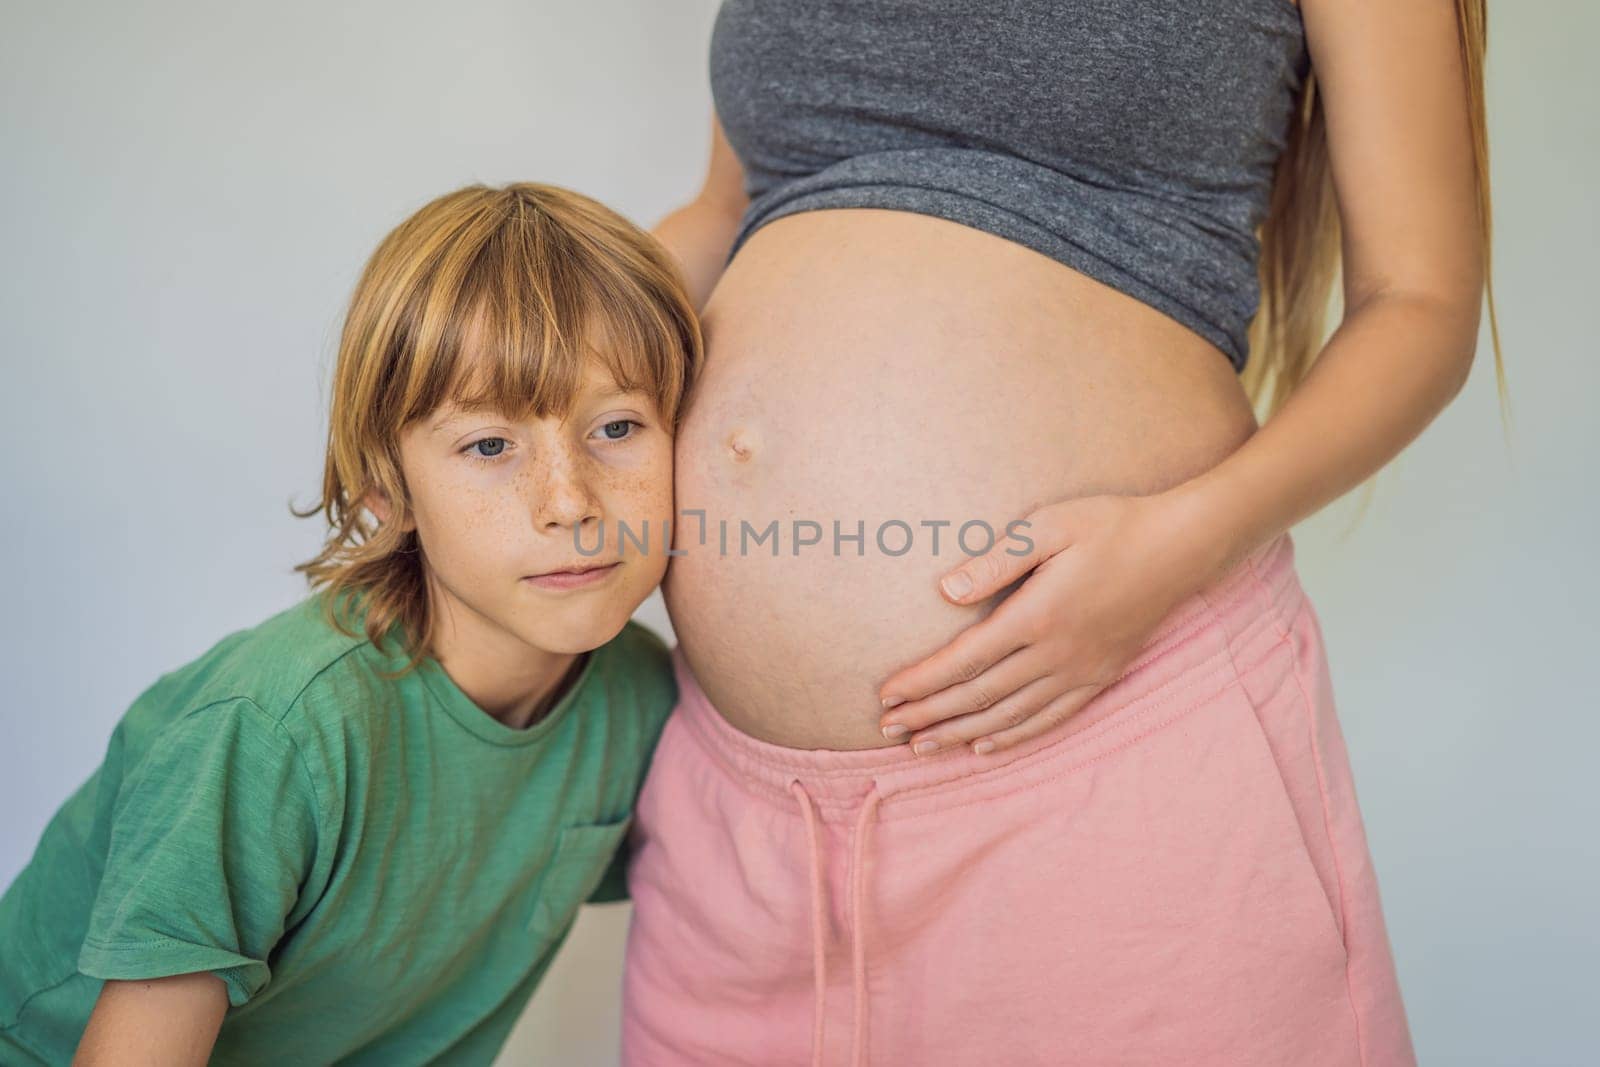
(378, 870)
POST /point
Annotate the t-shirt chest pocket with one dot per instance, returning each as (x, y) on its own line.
(582, 853)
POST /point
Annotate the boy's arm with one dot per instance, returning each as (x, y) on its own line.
(614, 883)
(158, 1021)
(214, 832)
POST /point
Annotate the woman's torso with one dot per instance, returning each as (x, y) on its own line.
(900, 373)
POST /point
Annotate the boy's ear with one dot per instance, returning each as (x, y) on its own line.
(377, 502)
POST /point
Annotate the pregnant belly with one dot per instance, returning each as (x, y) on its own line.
(883, 393)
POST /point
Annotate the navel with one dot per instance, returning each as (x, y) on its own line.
(742, 443)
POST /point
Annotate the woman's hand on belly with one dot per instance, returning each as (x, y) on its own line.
(1102, 572)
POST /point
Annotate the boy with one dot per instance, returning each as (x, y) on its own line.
(360, 830)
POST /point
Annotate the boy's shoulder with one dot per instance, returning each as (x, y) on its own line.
(639, 653)
(270, 665)
(637, 671)
(301, 670)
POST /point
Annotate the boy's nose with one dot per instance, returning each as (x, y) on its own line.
(567, 498)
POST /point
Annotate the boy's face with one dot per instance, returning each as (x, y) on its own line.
(497, 502)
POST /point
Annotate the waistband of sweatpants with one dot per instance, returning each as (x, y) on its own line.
(1187, 659)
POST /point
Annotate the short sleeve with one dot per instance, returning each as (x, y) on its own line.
(213, 831)
(614, 883)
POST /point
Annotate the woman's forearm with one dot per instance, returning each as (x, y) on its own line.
(1391, 367)
(699, 233)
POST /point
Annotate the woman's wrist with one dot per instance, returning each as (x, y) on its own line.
(1216, 521)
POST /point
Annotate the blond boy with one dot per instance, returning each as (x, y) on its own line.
(360, 830)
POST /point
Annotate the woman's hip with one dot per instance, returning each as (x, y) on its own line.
(1176, 874)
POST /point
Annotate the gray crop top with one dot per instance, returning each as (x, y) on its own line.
(1131, 140)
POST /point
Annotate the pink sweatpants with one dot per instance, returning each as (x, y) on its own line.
(1178, 874)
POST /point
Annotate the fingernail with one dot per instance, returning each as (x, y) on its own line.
(983, 746)
(895, 731)
(892, 702)
(958, 585)
(925, 747)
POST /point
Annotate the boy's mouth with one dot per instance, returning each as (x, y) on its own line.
(576, 568)
(574, 577)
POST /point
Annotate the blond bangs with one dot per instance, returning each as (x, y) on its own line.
(509, 322)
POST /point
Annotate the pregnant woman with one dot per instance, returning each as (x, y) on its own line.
(988, 290)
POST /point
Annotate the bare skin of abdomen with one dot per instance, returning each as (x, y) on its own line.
(875, 368)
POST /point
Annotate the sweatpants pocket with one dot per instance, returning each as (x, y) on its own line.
(1284, 796)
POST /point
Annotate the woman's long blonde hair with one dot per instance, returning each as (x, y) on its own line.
(1300, 239)
(548, 280)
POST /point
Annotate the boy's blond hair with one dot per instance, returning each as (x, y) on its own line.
(545, 279)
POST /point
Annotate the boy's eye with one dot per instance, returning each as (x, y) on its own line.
(494, 448)
(620, 425)
(490, 449)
